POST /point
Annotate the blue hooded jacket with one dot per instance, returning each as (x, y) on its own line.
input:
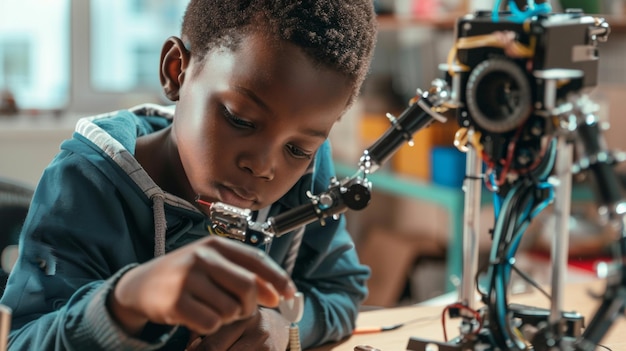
(96, 213)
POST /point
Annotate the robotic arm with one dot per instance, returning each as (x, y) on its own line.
(350, 193)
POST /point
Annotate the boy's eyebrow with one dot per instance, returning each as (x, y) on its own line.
(315, 133)
(308, 131)
(252, 96)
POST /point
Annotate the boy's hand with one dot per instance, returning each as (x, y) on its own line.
(264, 331)
(202, 286)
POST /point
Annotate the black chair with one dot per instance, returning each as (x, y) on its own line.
(15, 199)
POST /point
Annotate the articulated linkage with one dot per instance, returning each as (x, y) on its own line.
(351, 193)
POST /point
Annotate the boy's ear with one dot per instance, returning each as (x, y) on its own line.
(174, 63)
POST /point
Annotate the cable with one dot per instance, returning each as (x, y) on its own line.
(520, 205)
(528, 205)
(530, 281)
(460, 306)
(380, 329)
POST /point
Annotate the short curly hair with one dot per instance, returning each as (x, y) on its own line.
(337, 34)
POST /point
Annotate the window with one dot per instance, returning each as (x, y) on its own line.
(126, 39)
(34, 52)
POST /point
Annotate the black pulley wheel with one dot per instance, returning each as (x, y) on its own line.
(498, 95)
(357, 197)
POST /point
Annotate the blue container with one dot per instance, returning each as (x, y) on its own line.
(447, 166)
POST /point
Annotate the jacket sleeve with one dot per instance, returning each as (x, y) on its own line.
(74, 246)
(328, 272)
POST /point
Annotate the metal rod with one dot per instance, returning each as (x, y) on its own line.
(560, 241)
(472, 186)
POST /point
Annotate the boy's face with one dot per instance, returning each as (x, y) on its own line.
(248, 122)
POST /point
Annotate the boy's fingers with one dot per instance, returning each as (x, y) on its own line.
(227, 305)
(230, 277)
(198, 317)
(267, 294)
(255, 261)
(243, 283)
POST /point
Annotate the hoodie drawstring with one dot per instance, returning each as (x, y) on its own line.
(290, 260)
(160, 225)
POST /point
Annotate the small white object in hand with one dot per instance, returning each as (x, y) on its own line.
(292, 310)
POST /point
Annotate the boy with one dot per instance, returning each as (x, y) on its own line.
(115, 252)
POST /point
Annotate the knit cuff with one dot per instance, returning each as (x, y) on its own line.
(100, 326)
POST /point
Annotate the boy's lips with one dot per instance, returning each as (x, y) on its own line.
(236, 197)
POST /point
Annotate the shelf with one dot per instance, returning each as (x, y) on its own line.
(448, 21)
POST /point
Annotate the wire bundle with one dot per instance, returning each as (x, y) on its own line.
(525, 199)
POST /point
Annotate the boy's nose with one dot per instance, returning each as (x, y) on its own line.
(259, 164)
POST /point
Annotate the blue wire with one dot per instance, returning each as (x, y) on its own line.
(497, 204)
(518, 15)
(545, 202)
(500, 270)
(504, 268)
(497, 200)
(501, 305)
(495, 14)
(515, 242)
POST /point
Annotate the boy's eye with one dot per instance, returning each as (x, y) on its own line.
(236, 121)
(298, 152)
